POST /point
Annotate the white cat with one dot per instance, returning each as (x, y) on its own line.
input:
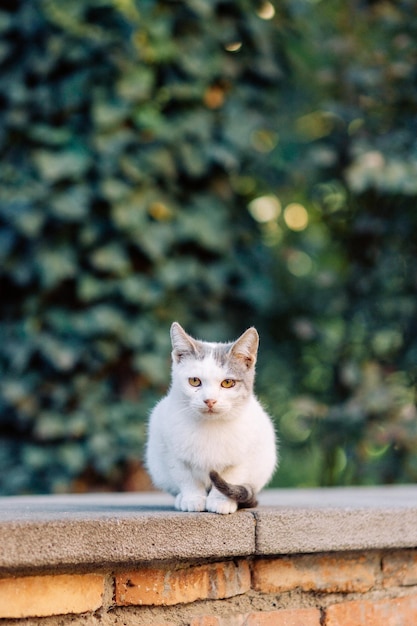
(210, 443)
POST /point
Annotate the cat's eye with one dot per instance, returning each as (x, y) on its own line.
(194, 382)
(227, 383)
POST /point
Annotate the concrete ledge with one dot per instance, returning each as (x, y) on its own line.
(59, 533)
(351, 518)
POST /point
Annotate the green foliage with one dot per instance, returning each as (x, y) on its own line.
(350, 319)
(211, 163)
(124, 128)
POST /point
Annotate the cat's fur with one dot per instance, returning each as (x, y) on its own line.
(212, 447)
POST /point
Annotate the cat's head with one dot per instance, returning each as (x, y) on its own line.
(214, 379)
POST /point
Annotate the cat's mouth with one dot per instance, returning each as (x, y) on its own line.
(210, 411)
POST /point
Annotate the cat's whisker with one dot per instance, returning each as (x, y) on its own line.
(186, 409)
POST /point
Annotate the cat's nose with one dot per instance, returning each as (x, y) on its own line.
(210, 403)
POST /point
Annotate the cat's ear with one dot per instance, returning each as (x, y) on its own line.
(245, 348)
(182, 344)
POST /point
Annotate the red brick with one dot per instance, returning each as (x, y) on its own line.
(157, 586)
(285, 617)
(42, 596)
(331, 574)
(400, 568)
(389, 612)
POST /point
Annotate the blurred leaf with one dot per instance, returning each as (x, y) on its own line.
(154, 366)
(130, 214)
(26, 219)
(48, 135)
(140, 290)
(135, 84)
(71, 205)
(90, 288)
(111, 258)
(108, 115)
(63, 356)
(55, 265)
(56, 166)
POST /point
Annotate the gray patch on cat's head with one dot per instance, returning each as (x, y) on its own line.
(240, 371)
(221, 353)
(239, 356)
(185, 345)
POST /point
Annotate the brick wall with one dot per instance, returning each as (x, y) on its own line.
(369, 588)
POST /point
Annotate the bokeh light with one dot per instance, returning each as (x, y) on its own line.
(266, 11)
(234, 46)
(265, 208)
(299, 263)
(296, 216)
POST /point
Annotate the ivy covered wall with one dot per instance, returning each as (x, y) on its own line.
(223, 164)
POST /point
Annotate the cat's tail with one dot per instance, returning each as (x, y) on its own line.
(244, 495)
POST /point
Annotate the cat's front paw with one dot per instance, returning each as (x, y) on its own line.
(190, 502)
(222, 506)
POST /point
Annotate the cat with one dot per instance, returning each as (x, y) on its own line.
(210, 443)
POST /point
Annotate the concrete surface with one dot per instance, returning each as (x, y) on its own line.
(350, 518)
(107, 530)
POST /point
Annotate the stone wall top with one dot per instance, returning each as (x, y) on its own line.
(41, 533)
